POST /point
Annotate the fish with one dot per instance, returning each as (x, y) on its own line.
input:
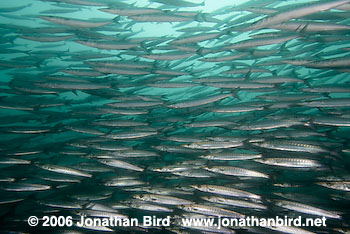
(26, 187)
(179, 3)
(168, 55)
(259, 42)
(212, 145)
(195, 38)
(199, 102)
(307, 209)
(228, 156)
(236, 171)
(149, 207)
(209, 210)
(65, 170)
(43, 38)
(160, 17)
(162, 199)
(290, 162)
(120, 164)
(131, 11)
(74, 22)
(337, 185)
(107, 45)
(291, 146)
(237, 203)
(295, 14)
(228, 191)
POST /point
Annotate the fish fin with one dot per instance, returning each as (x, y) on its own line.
(247, 75)
(57, 128)
(36, 108)
(283, 48)
(38, 65)
(327, 95)
(27, 52)
(200, 51)
(307, 83)
(145, 170)
(265, 107)
(68, 103)
(144, 46)
(331, 166)
(87, 205)
(310, 124)
(75, 92)
(235, 93)
(302, 29)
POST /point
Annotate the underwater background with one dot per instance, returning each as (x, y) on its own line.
(115, 108)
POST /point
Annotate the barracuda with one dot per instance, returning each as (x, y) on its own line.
(337, 185)
(210, 210)
(179, 3)
(13, 161)
(172, 85)
(160, 18)
(295, 13)
(291, 146)
(228, 191)
(149, 207)
(310, 27)
(65, 170)
(334, 102)
(168, 55)
(162, 199)
(331, 121)
(135, 153)
(231, 156)
(135, 104)
(270, 124)
(236, 171)
(199, 102)
(259, 42)
(290, 162)
(108, 45)
(212, 145)
(307, 209)
(224, 58)
(80, 2)
(123, 182)
(240, 85)
(237, 203)
(131, 11)
(237, 109)
(129, 135)
(72, 85)
(46, 38)
(25, 187)
(196, 38)
(120, 164)
(74, 22)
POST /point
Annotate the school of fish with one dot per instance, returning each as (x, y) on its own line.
(165, 108)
